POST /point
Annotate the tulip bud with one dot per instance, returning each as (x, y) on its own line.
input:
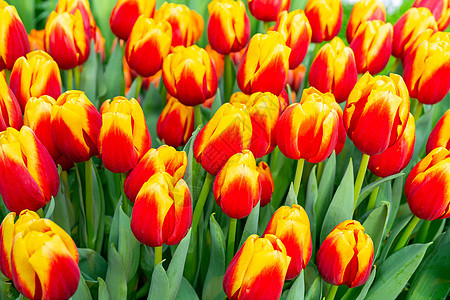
(36, 39)
(426, 69)
(10, 113)
(35, 76)
(346, 255)
(176, 123)
(187, 25)
(189, 75)
(13, 36)
(237, 187)
(258, 270)
(379, 102)
(325, 18)
(372, 46)
(66, 39)
(266, 182)
(125, 14)
(24, 158)
(364, 10)
(291, 226)
(440, 136)
(148, 39)
(295, 78)
(268, 11)
(75, 125)
(264, 71)
(427, 186)
(309, 130)
(124, 137)
(162, 212)
(334, 70)
(83, 6)
(409, 27)
(229, 26)
(396, 157)
(164, 159)
(439, 8)
(228, 132)
(296, 31)
(217, 59)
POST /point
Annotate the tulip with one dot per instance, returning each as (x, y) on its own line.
(309, 130)
(258, 270)
(372, 46)
(334, 70)
(440, 136)
(124, 137)
(13, 36)
(284, 101)
(295, 78)
(176, 123)
(99, 44)
(66, 39)
(36, 39)
(228, 132)
(291, 226)
(83, 6)
(264, 71)
(10, 113)
(268, 10)
(427, 186)
(266, 182)
(187, 25)
(325, 17)
(426, 69)
(164, 159)
(397, 157)
(295, 29)
(75, 125)
(24, 158)
(148, 39)
(35, 76)
(162, 212)
(379, 102)
(409, 27)
(364, 10)
(346, 255)
(229, 26)
(439, 8)
(125, 14)
(217, 59)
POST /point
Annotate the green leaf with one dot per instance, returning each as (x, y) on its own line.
(92, 263)
(315, 290)
(147, 260)
(114, 73)
(82, 292)
(217, 103)
(7, 290)
(116, 279)
(325, 191)
(194, 185)
(186, 291)
(311, 198)
(375, 224)
(360, 292)
(101, 9)
(152, 107)
(128, 245)
(282, 172)
(291, 199)
(176, 267)
(98, 210)
(159, 289)
(50, 208)
(88, 76)
(395, 271)
(251, 225)
(297, 291)
(369, 188)
(63, 213)
(392, 237)
(102, 290)
(341, 207)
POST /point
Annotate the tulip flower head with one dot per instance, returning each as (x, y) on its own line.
(325, 17)
(295, 78)
(440, 136)
(10, 112)
(440, 10)
(268, 10)
(266, 182)
(217, 59)
(364, 10)
(83, 6)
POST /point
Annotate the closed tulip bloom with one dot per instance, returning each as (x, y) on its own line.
(164, 159)
(228, 132)
(258, 270)
(325, 17)
(35, 75)
(24, 158)
(162, 212)
(334, 70)
(427, 186)
(266, 182)
(268, 10)
(440, 136)
(396, 157)
(440, 10)
(10, 112)
(125, 14)
(124, 137)
(265, 64)
(237, 187)
(13, 36)
(372, 46)
(75, 125)
(379, 102)
(426, 70)
(189, 75)
(217, 59)
(176, 123)
(291, 226)
(364, 10)
(229, 25)
(66, 39)
(295, 29)
(148, 39)
(83, 6)
(295, 78)
(409, 27)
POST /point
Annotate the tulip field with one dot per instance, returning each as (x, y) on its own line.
(224, 149)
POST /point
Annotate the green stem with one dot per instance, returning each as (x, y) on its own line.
(360, 176)
(198, 116)
(298, 175)
(406, 234)
(332, 292)
(158, 255)
(139, 80)
(289, 92)
(89, 205)
(7, 75)
(423, 232)
(418, 111)
(231, 238)
(201, 201)
(125, 201)
(228, 77)
(69, 76)
(65, 180)
(320, 167)
(373, 198)
(76, 76)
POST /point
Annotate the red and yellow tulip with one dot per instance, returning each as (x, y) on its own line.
(266, 182)
(364, 10)
(10, 112)
(440, 10)
(268, 10)
(325, 17)
(440, 136)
